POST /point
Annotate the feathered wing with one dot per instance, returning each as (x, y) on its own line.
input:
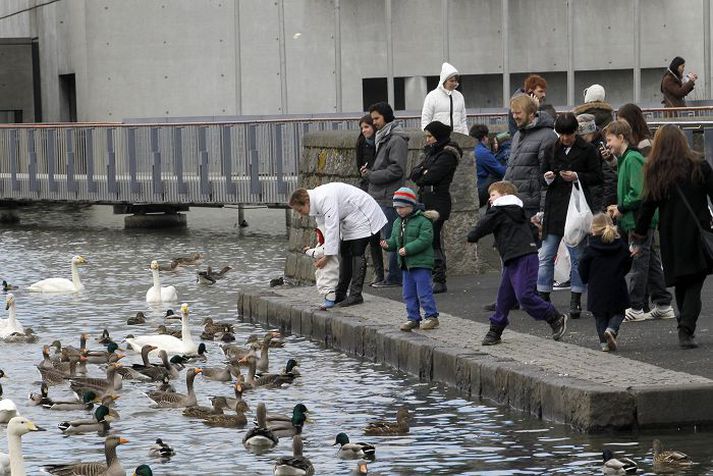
(77, 469)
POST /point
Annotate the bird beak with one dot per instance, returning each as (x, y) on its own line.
(33, 427)
(198, 371)
(123, 441)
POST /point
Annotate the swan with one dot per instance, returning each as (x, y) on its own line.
(169, 343)
(61, 285)
(8, 410)
(156, 293)
(10, 325)
(14, 463)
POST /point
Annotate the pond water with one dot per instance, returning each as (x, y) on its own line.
(448, 435)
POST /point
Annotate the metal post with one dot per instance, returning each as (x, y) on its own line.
(283, 59)
(707, 48)
(238, 71)
(570, 53)
(505, 41)
(637, 51)
(389, 56)
(338, 55)
(445, 30)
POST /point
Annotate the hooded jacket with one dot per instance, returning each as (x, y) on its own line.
(514, 234)
(327, 276)
(603, 266)
(415, 233)
(388, 173)
(437, 105)
(603, 112)
(434, 175)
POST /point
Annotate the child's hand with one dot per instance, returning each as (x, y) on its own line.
(383, 244)
(320, 262)
(402, 251)
(305, 249)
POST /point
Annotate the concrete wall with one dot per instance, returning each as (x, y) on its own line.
(151, 58)
(16, 80)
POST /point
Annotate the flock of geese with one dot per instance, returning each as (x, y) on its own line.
(177, 353)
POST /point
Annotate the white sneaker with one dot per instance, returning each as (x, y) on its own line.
(662, 312)
(635, 315)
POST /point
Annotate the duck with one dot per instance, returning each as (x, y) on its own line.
(617, 466)
(156, 293)
(274, 417)
(210, 277)
(199, 356)
(105, 338)
(28, 337)
(286, 377)
(139, 318)
(40, 398)
(348, 450)
(104, 356)
(190, 260)
(291, 427)
(58, 375)
(178, 400)
(214, 327)
(296, 464)
(227, 337)
(236, 420)
(61, 285)
(218, 404)
(142, 470)
(275, 340)
(238, 399)
(8, 409)
(260, 436)
(250, 360)
(85, 403)
(98, 424)
(221, 374)
(163, 330)
(157, 372)
(171, 266)
(166, 385)
(7, 286)
(13, 463)
(11, 324)
(669, 458)
(161, 450)
(385, 428)
(171, 344)
(112, 466)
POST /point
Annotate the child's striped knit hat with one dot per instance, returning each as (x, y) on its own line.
(405, 197)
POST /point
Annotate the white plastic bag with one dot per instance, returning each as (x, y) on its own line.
(579, 217)
(562, 264)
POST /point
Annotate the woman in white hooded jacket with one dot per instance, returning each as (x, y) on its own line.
(444, 103)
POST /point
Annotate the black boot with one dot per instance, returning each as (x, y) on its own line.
(558, 323)
(357, 284)
(544, 295)
(439, 272)
(377, 260)
(345, 277)
(493, 335)
(685, 339)
(575, 305)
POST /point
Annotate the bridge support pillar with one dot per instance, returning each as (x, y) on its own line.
(9, 215)
(153, 216)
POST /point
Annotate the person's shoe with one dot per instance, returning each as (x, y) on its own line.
(439, 288)
(430, 323)
(610, 336)
(557, 286)
(493, 336)
(544, 295)
(327, 304)
(686, 340)
(491, 307)
(575, 305)
(377, 279)
(635, 315)
(604, 346)
(351, 301)
(410, 325)
(385, 284)
(662, 312)
(558, 325)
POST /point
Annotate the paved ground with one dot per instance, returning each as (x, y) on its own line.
(652, 342)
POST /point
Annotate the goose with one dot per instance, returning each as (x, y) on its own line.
(11, 324)
(260, 436)
(178, 400)
(101, 386)
(250, 379)
(384, 428)
(157, 372)
(617, 466)
(29, 337)
(170, 344)
(112, 467)
(13, 463)
(236, 420)
(61, 285)
(98, 424)
(57, 376)
(210, 277)
(104, 356)
(238, 399)
(8, 410)
(669, 459)
(218, 404)
(157, 294)
(161, 450)
(139, 318)
(142, 470)
(221, 375)
(349, 450)
(190, 260)
(7, 286)
(295, 465)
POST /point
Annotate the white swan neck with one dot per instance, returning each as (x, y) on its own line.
(17, 460)
(186, 330)
(11, 315)
(156, 279)
(75, 276)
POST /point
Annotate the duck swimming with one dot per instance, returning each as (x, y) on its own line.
(669, 459)
(156, 293)
(348, 450)
(139, 318)
(161, 450)
(211, 277)
(384, 427)
(97, 424)
(260, 436)
(7, 286)
(62, 285)
(617, 466)
(296, 464)
(178, 400)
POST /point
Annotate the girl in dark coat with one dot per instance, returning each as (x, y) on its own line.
(673, 171)
(434, 175)
(674, 85)
(365, 154)
(603, 267)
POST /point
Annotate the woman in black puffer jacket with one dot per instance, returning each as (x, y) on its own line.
(434, 175)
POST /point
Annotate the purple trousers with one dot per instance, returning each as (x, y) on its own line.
(518, 283)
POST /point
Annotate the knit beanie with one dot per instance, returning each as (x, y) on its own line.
(404, 197)
(587, 125)
(595, 92)
(438, 130)
(675, 63)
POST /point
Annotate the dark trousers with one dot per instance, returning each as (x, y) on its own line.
(688, 300)
(439, 255)
(377, 259)
(349, 249)
(518, 283)
(608, 321)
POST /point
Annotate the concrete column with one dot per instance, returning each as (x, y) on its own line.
(707, 49)
(570, 53)
(505, 41)
(637, 51)
(283, 58)
(238, 72)
(338, 55)
(389, 55)
(444, 31)
(415, 91)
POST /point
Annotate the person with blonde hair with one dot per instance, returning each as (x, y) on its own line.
(603, 267)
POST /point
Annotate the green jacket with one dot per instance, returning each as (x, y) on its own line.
(630, 182)
(415, 233)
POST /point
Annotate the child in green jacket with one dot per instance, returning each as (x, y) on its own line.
(412, 237)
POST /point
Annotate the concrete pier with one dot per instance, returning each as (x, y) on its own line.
(556, 381)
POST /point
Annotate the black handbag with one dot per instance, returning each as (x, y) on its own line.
(706, 236)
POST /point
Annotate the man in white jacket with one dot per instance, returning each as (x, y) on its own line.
(350, 216)
(444, 103)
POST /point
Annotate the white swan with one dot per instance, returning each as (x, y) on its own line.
(156, 293)
(13, 463)
(61, 285)
(8, 410)
(11, 324)
(172, 345)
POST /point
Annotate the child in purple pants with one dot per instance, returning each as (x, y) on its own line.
(516, 242)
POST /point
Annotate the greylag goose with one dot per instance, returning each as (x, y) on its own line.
(112, 467)
(178, 400)
(101, 386)
(225, 374)
(296, 464)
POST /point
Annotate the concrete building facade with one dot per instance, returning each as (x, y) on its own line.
(106, 60)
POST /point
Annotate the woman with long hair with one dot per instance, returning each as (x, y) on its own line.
(640, 131)
(674, 178)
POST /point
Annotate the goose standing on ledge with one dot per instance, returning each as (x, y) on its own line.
(10, 325)
(157, 294)
(13, 463)
(169, 343)
(62, 285)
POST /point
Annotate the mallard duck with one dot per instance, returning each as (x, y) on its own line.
(669, 458)
(104, 356)
(105, 338)
(8, 410)
(277, 282)
(215, 327)
(260, 437)
(287, 428)
(97, 424)
(171, 315)
(86, 403)
(218, 404)
(139, 318)
(162, 329)
(296, 464)
(161, 450)
(143, 470)
(156, 293)
(10, 325)
(199, 356)
(349, 450)
(178, 400)
(166, 385)
(27, 337)
(7, 286)
(40, 398)
(384, 428)
(112, 467)
(170, 344)
(237, 420)
(13, 463)
(171, 266)
(617, 466)
(61, 285)
(221, 374)
(190, 260)
(227, 337)
(210, 277)
(287, 376)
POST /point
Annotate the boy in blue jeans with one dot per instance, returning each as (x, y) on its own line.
(516, 241)
(412, 237)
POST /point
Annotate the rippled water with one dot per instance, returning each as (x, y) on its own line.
(448, 436)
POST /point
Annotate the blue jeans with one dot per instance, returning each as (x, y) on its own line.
(546, 272)
(608, 321)
(394, 273)
(418, 293)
